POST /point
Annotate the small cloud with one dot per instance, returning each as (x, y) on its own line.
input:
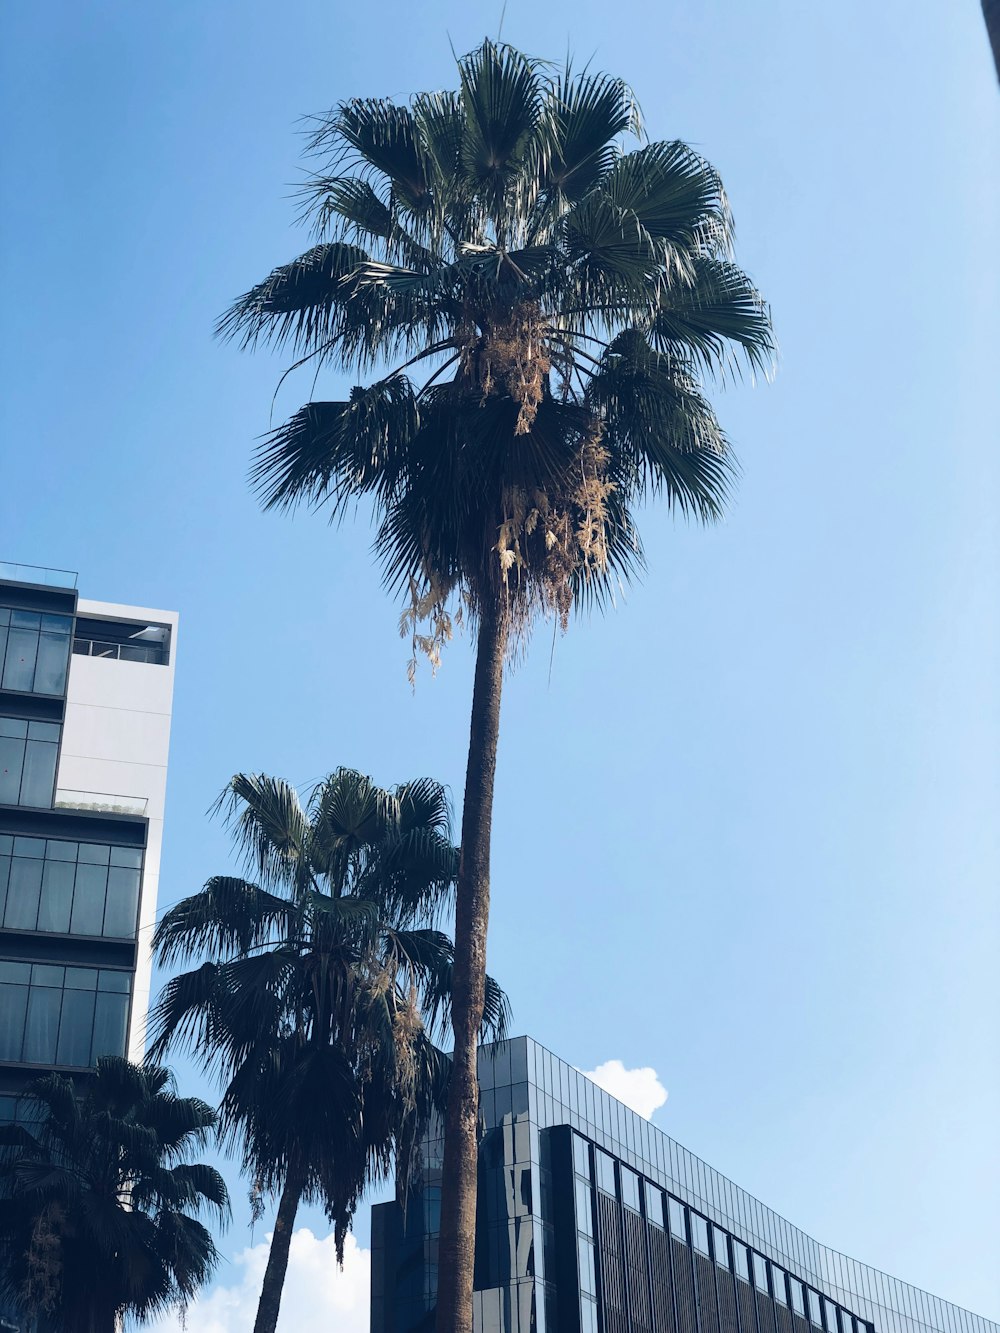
(317, 1295)
(639, 1088)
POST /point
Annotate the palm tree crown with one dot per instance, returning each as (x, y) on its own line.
(98, 1214)
(326, 986)
(563, 301)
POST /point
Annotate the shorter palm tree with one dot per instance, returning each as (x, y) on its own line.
(99, 1199)
(324, 991)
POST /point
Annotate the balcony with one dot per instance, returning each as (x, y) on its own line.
(106, 803)
(36, 574)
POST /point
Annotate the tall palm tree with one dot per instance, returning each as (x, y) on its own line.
(325, 990)
(99, 1199)
(537, 313)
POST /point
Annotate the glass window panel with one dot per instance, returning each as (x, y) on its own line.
(44, 731)
(584, 1211)
(815, 1309)
(127, 856)
(13, 1006)
(110, 1017)
(88, 900)
(760, 1272)
(60, 851)
(588, 1316)
(13, 726)
(81, 978)
(46, 974)
(630, 1188)
(654, 1204)
(605, 1171)
(11, 767)
(57, 896)
(56, 624)
(798, 1300)
(42, 1027)
(94, 853)
(19, 662)
(18, 973)
(39, 777)
(6, 844)
(778, 1282)
(831, 1317)
(77, 1028)
(26, 619)
(50, 668)
(122, 901)
(678, 1226)
(4, 615)
(30, 847)
(699, 1233)
(114, 980)
(588, 1280)
(581, 1156)
(24, 885)
(4, 877)
(719, 1240)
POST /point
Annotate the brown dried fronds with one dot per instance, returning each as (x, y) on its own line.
(45, 1260)
(549, 540)
(427, 607)
(514, 359)
(407, 1025)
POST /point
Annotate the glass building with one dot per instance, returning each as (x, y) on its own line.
(592, 1220)
(85, 701)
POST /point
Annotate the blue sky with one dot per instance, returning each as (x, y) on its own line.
(746, 825)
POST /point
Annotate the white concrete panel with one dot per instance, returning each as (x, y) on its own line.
(113, 733)
(82, 773)
(106, 682)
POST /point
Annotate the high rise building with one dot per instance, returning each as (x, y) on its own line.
(85, 699)
(592, 1220)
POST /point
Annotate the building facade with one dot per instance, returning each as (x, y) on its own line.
(592, 1220)
(85, 701)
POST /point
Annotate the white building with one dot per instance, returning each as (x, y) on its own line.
(85, 700)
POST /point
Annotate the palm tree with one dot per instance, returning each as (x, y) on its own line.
(552, 308)
(325, 990)
(99, 1197)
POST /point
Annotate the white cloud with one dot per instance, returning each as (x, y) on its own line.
(317, 1295)
(639, 1088)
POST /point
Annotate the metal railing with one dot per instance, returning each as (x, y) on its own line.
(105, 802)
(49, 578)
(122, 652)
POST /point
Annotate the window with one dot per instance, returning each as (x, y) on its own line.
(62, 1015)
(127, 641)
(588, 1280)
(831, 1317)
(581, 1156)
(70, 888)
(27, 761)
(798, 1299)
(760, 1272)
(630, 1187)
(778, 1282)
(741, 1261)
(815, 1308)
(720, 1242)
(654, 1204)
(588, 1316)
(699, 1233)
(584, 1208)
(605, 1171)
(34, 651)
(678, 1227)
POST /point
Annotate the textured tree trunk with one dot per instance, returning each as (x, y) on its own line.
(991, 13)
(472, 909)
(277, 1259)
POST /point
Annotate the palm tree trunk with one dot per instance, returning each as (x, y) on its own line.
(277, 1259)
(472, 909)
